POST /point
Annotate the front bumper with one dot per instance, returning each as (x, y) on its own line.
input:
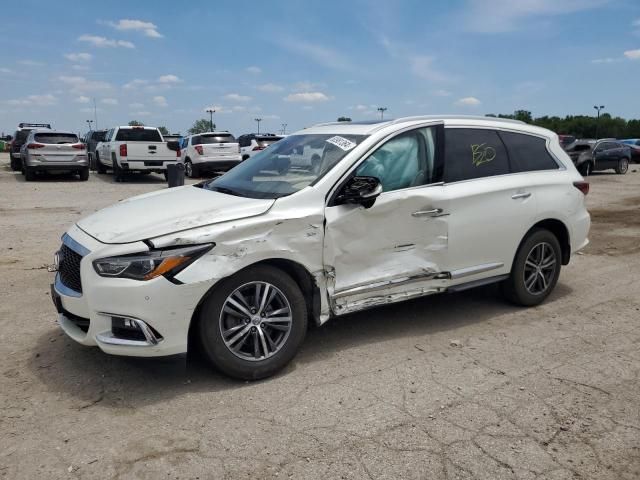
(88, 316)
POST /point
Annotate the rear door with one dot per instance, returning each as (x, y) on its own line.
(57, 147)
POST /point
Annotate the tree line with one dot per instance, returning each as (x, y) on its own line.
(581, 126)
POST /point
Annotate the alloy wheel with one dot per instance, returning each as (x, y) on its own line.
(188, 169)
(539, 268)
(255, 321)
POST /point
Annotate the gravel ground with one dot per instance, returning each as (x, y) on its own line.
(451, 386)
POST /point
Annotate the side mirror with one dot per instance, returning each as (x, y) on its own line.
(173, 145)
(361, 190)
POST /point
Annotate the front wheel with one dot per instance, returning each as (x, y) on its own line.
(99, 166)
(535, 270)
(253, 323)
(623, 166)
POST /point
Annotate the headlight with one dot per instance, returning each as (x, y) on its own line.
(152, 264)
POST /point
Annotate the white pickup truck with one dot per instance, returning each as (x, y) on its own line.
(135, 149)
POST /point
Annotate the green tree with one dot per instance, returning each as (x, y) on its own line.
(344, 119)
(201, 126)
(163, 130)
(136, 123)
(523, 116)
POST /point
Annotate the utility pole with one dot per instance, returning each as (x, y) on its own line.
(95, 112)
(89, 122)
(284, 129)
(258, 120)
(598, 108)
(382, 110)
(211, 111)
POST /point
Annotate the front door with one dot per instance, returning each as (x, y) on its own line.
(393, 250)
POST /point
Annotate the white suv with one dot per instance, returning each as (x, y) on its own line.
(253, 143)
(209, 152)
(396, 210)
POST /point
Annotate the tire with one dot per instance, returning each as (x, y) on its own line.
(585, 169)
(516, 288)
(92, 162)
(246, 362)
(245, 157)
(166, 176)
(99, 166)
(29, 174)
(84, 174)
(118, 175)
(623, 166)
(190, 170)
(16, 165)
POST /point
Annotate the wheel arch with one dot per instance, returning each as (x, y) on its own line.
(295, 270)
(559, 229)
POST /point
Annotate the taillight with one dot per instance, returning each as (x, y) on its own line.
(79, 146)
(258, 147)
(582, 186)
(35, 145)
(123, 150)
(199, 149)
(178, 153)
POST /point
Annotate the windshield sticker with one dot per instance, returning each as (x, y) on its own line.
(341, 143)
(482, 154)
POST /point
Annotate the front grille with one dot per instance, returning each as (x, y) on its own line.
(69, 268)
(81, 322)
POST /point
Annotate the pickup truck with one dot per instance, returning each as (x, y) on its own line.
(135, 149)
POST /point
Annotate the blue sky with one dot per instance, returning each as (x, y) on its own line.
(300, 63)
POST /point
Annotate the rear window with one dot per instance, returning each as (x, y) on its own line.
(266, 141)
(217, 138)
(581, 148)
(55, 138)
(98, 136)
(528, 153)
(21, 136)
(138, 135)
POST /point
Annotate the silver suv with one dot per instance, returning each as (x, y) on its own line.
(53, 151)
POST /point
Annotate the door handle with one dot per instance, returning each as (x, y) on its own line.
(436, 212)
(521, 195)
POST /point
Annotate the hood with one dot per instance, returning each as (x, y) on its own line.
(168, 211)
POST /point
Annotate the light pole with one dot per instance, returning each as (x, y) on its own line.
(89, 122)
(258, 120)
(382, 110)
(211, 111)
(284, 128)
(598, 108)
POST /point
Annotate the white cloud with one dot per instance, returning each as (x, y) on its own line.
(234, 97)
(30, 63)
(135, 83)
(360, 108)
(605, 60)
(422, 66)
(78, 57)
(136, 106)
(44, 100)
(254, 70)
(148, 28)
(169, 78)
(90, 110)
(468, 102)
(142, 113)
(306, 97)
(632, 54)
(239, 108)
(499, 16)
(442, 93)
(270, 88)
(109, 101)
(97, 41)
(160, 101)
(321, 55)
(81, 84)
(6, 70)
(80, 68)
(82, 99)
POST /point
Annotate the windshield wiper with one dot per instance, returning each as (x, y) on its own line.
(226, 190)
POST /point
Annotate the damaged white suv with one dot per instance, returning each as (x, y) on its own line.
(395, 210)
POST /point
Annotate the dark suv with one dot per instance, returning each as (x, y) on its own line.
(91, 139)
(18, 140)
(591, 155)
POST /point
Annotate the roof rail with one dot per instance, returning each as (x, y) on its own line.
(454, 117)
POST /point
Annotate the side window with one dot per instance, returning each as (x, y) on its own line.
(241, 141)
(473, 153)
(407, 160)
(527, 153)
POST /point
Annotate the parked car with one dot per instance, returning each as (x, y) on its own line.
(53, 151)
(398, 210)
(91, 140)
(252, 143)
(634, 147)
(135, 149)
(596, 155)
(18, 139)
(209, 152)
(566, 140)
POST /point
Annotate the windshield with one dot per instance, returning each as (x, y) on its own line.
(286, 166)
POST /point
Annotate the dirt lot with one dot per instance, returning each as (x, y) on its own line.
(452, 386)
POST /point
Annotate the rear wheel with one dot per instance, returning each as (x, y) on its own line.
(84, 174)
(16, 165)
(190, 170)
(118, 174)
(99, 166)
(253, 323)
(585, 169)
(29, 174)
(535, 270)
(623, 166)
